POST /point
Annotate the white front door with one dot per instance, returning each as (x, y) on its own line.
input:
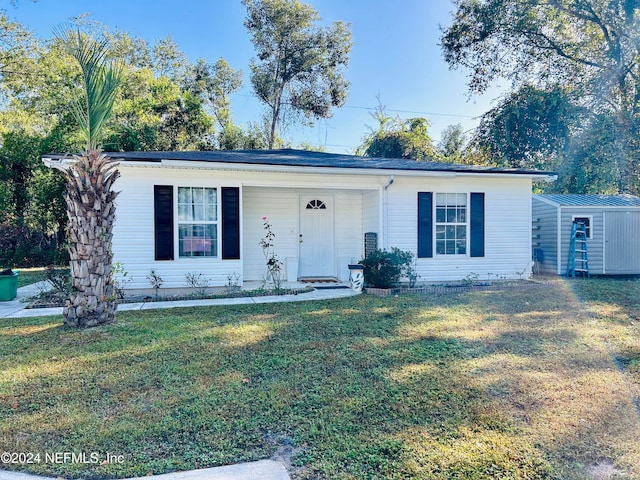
(316, 236)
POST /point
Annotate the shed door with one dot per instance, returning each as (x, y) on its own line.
(622, 242)
(316, 236)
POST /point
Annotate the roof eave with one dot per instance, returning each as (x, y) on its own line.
(324, 170)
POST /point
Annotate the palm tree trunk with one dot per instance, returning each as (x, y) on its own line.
(91, 211)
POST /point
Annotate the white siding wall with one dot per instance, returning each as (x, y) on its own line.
(262, 194)
(349, 225)
(507, 226)
(371, 212)
(133, 238)
(357, 201)
(281, 207)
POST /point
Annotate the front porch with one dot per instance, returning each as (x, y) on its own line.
(318, 232)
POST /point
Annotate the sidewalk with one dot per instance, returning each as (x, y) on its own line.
(17, 309)
(260, 470)
(15, 306)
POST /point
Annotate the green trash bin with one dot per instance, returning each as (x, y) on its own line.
(8, 285)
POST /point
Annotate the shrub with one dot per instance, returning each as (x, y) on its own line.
(198, 283)
(383, 269)
(60, 279)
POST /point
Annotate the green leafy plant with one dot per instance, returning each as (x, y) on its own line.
(411, 272)
(471, 279)
(59, 278)
(384, 268)
(120, 279)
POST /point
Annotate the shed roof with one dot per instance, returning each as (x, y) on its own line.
(590, 200)
(304, 158)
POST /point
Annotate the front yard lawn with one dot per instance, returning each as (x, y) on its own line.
(520, 384)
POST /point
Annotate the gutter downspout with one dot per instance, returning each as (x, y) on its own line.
(385, 213)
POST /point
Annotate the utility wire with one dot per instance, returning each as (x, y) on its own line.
(411, 111)
(355, 107)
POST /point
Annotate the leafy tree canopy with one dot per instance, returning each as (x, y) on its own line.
(574, 67)
(398, 138)
(453, 143)
(529, 129)
(18, 52)
(589, 44)
(299, 65)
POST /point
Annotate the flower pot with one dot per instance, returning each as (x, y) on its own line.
(356, 277)
(8, 286)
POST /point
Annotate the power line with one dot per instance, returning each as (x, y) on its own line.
(412, 112)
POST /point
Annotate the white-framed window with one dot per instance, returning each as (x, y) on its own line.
(197, 222)
(451, 223)
(587, 220)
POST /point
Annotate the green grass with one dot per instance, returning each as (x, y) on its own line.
(27, 276)
(616, 307)
(513, 384)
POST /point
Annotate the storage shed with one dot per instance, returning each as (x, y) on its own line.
(613, 231)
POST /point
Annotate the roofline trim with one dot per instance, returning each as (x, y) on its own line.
(240, 166)
(63, 161)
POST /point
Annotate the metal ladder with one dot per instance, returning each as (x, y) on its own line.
(578, 261)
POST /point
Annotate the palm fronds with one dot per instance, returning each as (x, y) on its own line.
(101, 78)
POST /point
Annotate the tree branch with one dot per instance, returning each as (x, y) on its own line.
(552, 45)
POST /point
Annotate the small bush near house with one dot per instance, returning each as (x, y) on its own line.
(383, 268)
(60, 279)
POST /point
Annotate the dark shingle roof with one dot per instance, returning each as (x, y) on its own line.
(591, 200)
(303, 158)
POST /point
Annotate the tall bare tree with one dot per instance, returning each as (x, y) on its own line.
(90, 178)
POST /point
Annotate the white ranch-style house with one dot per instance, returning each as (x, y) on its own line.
(202, 212)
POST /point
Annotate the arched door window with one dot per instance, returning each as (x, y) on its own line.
(316, 205)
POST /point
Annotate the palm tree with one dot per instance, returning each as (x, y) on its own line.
(90, 177)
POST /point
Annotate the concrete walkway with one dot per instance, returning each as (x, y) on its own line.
(17, 308)
(260, 470)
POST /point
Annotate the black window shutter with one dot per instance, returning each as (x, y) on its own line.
(230, 223)
(163, 221)
(476, 235)
(425, 224)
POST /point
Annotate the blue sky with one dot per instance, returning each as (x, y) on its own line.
(395, 55)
